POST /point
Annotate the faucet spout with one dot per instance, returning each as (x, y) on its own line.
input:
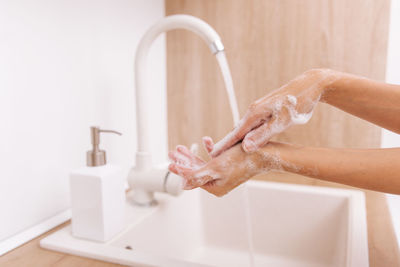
(201, 28)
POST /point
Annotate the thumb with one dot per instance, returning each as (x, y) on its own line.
(208, 144)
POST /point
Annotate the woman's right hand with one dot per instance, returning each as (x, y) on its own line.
(291, 104)
(222, 174)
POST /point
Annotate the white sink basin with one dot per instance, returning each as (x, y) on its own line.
(291, 226)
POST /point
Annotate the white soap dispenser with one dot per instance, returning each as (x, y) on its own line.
(97, 195)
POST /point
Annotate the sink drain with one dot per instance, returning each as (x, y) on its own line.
(128, 247)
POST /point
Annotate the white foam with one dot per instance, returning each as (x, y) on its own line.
(182, 160)
(301, 118)
(292, 99)
(295, 116)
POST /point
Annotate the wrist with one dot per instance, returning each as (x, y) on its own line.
(276, 156)
(331, 85)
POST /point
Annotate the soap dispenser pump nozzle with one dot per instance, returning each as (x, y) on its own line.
(97, 157)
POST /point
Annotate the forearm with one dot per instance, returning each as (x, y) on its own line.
(371, 100)
(374, 169)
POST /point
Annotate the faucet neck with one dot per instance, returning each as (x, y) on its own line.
(201, 28)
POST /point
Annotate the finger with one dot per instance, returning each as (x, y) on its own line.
(214, 188)
(183, 149)
(187, 185)
(188, 154)
(179, 158)
(260, 136)
(188, 181)
(179, 169)
(208, 143)
(245, 125)
(203, 176)
(171, 168)
(172, 156)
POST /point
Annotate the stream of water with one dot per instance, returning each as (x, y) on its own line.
(223, 64)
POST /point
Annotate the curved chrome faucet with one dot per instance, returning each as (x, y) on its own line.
(142, 177)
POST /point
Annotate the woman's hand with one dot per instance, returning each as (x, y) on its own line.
(291, 104)
(222, 174)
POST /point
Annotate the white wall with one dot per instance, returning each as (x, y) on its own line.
(66, 65)
(390, 139)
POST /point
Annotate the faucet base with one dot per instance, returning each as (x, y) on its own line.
(142, 198)
(144, 183)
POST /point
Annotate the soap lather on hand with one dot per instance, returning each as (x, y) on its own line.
(221, 174)
(247, 149)
(233, 164)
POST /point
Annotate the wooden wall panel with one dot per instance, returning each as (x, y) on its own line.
(267, 43)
